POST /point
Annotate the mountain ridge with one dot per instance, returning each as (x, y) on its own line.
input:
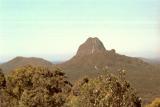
(138, 72)
(24, 61)
(93, 59)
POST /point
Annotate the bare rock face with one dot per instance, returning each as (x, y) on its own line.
(91, 46)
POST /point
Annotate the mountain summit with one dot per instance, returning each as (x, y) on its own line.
(92, 45)
(92, 59)
(24, 61)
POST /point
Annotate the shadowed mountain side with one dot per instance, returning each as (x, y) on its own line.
(23, 61)
(92, 58)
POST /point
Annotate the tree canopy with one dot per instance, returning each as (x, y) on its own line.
(43, 87)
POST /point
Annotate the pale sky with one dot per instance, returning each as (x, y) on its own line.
(54, 29)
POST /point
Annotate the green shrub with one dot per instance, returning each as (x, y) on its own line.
(104, 91)
(37, 86)
(43, 87)
(6, 99)
(2, 80)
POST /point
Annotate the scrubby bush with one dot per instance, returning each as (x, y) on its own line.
(43, 87)
(104, 91)
(6, 99)
(37, 87)
(2, 80)
(155, 103)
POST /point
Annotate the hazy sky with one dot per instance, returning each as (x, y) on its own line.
(53, 29)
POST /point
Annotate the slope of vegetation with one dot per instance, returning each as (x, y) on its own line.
(35, 87)
(2, 79)
(104, 91)
(42, 87)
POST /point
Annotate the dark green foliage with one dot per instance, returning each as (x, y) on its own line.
(2, 80)
(41, 97)
(42, 87)
(37, 86)
(104, 91)
(6, 99)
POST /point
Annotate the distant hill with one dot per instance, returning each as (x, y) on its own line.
(92, 58)
(23, 61)
(151, 61)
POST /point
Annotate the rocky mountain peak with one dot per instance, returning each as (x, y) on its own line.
(91, 46)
